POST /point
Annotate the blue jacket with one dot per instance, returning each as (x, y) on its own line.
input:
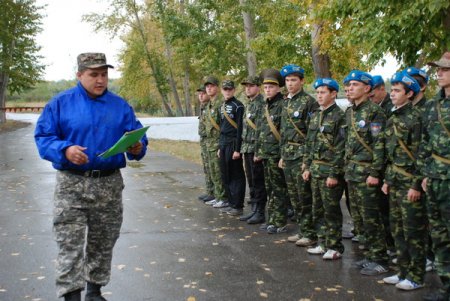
(73, 118)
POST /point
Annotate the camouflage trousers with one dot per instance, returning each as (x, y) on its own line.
(277, 196)
(301, 198)
(367, 199)
(216, 178)
(208, 181)
(438, 196)
(327, 213)
(86, 224)
(408, 223)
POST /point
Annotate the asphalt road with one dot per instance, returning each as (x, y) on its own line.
(172, 247)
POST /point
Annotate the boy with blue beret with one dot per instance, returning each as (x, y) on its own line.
(421, 77)
(402, 183)
(380, 96)
(324, 168)
(297, 110)
(365, 157)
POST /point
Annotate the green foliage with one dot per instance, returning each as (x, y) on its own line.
(411, 31)
(20, 22)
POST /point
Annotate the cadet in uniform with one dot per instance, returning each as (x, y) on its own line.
(435, 154)
(75, 127)
(232, 169)
(212, 126)
(402, 184)
(297, 109)
(268, 150)
(253, 170)
(203, 98)
(380, 96)
(364, 154)
(324, 166)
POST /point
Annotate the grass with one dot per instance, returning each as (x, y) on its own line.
(186, 150)
(20, 104)
(11, 125)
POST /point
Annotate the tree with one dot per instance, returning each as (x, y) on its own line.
(411, 31)
(20, 22)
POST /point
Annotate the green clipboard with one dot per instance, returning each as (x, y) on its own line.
(127, 140)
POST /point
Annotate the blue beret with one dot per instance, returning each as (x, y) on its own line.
(377, 80)
(329, 82)
(359, 76)
(407, 80)
(289, 69)
(414, 71)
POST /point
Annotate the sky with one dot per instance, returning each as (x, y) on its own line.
(64, 36)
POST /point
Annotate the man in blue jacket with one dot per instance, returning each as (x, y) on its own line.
(76, 126)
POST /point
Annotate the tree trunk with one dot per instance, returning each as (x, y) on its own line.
(4, 78)
(186, 89)
(171, 79)
(321, 62)
(249, 36)
(154, 65)
(446, 25)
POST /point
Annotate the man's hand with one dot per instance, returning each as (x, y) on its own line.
(76, 155)
(413, 195)
(371, 181)
(281, 164)
(257, 159)
(135, 149)
(424, 184)
(236, 155)
(218, 153)
(385, 189)
(331, 182)
(306, 175)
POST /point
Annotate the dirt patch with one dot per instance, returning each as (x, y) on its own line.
(12, 125)
(185, 150)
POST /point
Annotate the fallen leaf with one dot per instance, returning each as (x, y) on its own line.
(304, 299)
(147, 275)
(15, 254)
(191, 298)
(267, 269)
(202, 290)
(138, 269)
(350, 292)
(259, 282)
(331, 289)
(40, 277)
(208, 273)
(215, 243)
(181, 260)
(264, 295)
(167, 206)
(317, 289)
(121, 267)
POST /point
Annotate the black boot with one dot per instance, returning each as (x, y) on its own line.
(93, 292)
(73, 296)
(250, 214)
(259, 216)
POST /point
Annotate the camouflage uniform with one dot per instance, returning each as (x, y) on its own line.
(386, 105)
(407, 219)
(80, 199)
(294, 126)
(325, 159)
(435, 165)
(204, 149)
(369, 121)
(268, 148)
(254, 170)
(212, 145)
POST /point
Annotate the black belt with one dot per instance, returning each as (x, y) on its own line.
(92, 173)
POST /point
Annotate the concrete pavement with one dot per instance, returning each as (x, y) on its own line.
(172, 247)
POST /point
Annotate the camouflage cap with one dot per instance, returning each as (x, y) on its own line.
(201, 88)
(443, 62)
(92, 60)
(211, 80)
(252, 80)
(272, 76)
(228, 84)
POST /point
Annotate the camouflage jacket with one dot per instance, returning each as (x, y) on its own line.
(212, 119)
(434, 155)
(422, 106)
(403, 137)
(386, 105)
(267, 145)
(201, 122)
(366, 121)
(253, 112)
(294, 125)
(326, 143)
